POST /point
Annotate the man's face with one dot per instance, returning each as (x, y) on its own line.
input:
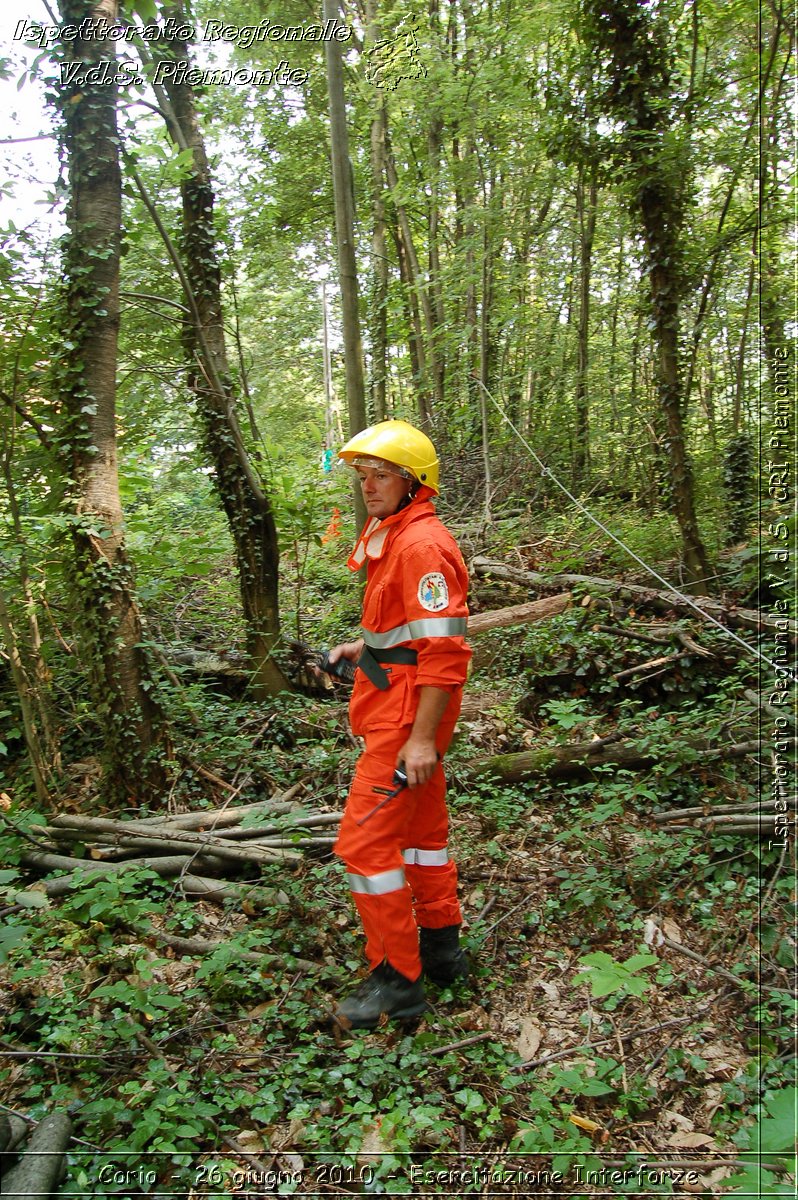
(382, 490)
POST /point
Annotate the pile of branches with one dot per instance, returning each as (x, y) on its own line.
(199, 849)
(771, 820)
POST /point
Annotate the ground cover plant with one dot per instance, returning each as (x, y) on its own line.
(627, 1029)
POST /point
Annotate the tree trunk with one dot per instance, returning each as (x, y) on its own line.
(770, 293)
(415, 334)
(635, 40)
(432, 396)
(84, 370)
(379, 254)
(246, 506)
(344, 197)
(434, 149)
(30, 706)
(671, 399)
(519, 614)
(742, 347)
(29, 669)
(586, 217)
(465, 242)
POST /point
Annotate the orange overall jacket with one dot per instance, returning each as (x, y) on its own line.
(415, 597)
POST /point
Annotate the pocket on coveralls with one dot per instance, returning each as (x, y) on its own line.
(369, 708)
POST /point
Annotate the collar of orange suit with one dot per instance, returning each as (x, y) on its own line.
(375, 536)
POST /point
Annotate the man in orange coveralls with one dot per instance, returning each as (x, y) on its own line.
(412, 661)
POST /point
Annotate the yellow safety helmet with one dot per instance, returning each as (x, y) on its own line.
(400, 445)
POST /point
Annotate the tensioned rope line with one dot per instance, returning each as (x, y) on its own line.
(548, 473)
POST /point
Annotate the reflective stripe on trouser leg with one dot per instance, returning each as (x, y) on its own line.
(426, 858)
(433, 881)
(377, 885)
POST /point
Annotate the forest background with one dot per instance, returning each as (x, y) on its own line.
(558, 237)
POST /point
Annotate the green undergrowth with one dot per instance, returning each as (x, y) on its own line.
(584, 1045)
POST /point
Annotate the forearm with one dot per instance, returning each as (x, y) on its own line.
(419, 753)
(432, 704)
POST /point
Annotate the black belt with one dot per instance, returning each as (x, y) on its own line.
(371, 663)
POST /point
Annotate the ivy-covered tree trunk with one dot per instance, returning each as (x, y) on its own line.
(84, 367)
(246, 505)
(633, 40)
(23, 644)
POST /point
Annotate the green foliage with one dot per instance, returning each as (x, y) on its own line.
(110, 900)
(499, 806)
(12, 936)
(607, 977)
(772, 1143)
(566, 714)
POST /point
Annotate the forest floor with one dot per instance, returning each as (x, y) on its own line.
(627, 1029)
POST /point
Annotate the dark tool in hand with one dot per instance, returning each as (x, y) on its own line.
(400, 782)
(343, 669)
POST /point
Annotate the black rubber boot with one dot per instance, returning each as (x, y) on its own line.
(442, 958)
(384, 991)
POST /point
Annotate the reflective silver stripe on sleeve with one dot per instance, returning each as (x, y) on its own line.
(427, 627)
(426, 858)
(377, 885)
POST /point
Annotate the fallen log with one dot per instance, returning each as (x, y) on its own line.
(318, 820)
(636, 635)
(750, 819)
(131, 833)
(708, 810)
(306, 843)
(218, 818)
(96, 829)
(36, 1175)
(196, 945)
(13, 1130)
(250, 854)
(759, 830)
(519, 614)
(651, 665)
(782, 715)
(166, 868)
(658, 600)
(577, 758)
